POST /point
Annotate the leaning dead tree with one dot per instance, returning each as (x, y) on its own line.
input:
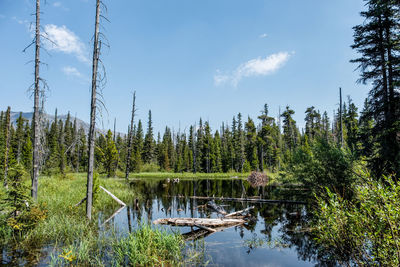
(95, 62)
(130, 138)
(7, 148)
(98, 80)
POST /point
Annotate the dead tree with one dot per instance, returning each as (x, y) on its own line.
(340, 117)
(7, 148)
(95, 62)
(36, 117)
(130, 138)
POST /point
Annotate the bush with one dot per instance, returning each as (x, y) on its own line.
(366, 230)
(150, 167)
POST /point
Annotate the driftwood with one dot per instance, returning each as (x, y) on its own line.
(240, 212)
(199, 221)
(255, 200)
(108, 192)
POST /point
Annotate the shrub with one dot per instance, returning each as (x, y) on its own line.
(366, 230)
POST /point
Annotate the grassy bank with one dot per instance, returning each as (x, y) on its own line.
(189, 175)
(66, 237)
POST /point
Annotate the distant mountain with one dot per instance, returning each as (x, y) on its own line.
(50, 118)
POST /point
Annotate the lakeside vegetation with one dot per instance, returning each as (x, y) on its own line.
(72, 240)
(349, 163)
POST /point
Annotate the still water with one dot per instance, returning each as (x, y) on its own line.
(275, 236)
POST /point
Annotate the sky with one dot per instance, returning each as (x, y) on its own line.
(185, 59)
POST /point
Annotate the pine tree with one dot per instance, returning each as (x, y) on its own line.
(148, 147)
(217, 157)
(19, 137)
(251, 144)
(351, 123)
(26, 154)
(377, 41)
(110, 155)
(289, 129)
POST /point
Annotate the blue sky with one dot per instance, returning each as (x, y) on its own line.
(186, 59)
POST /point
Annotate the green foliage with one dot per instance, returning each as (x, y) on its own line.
(323, 164)
(365, 230)
(21, 214)
(148, 247)
(150, 167)
(96, 187)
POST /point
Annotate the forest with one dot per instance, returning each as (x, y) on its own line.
(347, 165)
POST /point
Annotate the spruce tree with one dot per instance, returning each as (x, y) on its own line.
(251, 144)
(110, 155)
(377, 41)
(148, 146)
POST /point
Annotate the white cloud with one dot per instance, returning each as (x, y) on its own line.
(264, 35)
(71, 71)
(255, 67)
(64, 40)
(57, 4)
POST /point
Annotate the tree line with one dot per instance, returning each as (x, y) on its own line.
(266, 143)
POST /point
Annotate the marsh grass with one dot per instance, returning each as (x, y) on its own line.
(148, 247)
(65, 237)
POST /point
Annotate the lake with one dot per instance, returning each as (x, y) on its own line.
(276, 235)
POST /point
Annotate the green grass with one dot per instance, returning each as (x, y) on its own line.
(148, 247)
(74, 240)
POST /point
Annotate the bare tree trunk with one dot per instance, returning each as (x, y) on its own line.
(130, 137)
(7, 139)
(89, 191)
(340, 117)
(36, 137)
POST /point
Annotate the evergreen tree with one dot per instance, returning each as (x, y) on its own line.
(377, 41)
(216, 165)
(148, 147)
(351, 123)
(251, 144)
(289, 129)
(110, 155)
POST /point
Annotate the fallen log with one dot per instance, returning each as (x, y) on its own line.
(240, 212)
(218, 222)
(254, 200)
(114, 197)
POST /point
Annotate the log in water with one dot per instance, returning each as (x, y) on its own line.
(200, 221)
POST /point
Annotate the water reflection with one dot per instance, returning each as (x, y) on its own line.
(277, 235)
